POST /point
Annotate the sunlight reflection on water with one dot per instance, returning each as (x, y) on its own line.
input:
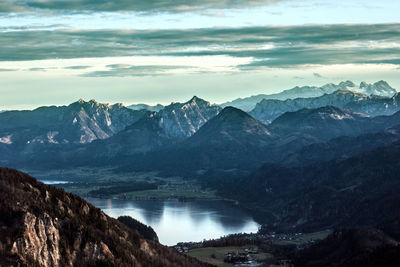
(176, 221)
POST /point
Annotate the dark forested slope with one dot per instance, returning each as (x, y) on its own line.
(41, 225)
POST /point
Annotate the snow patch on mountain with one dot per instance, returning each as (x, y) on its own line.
(380, 88)
(6, 140)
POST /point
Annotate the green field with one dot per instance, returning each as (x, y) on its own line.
(86, 180)
(304, 238)
(215, 255)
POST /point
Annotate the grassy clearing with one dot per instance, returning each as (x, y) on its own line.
(85, 180)
(215, 255)
(305, 238)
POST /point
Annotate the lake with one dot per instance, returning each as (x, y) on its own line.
(175, 221)
(54, 182)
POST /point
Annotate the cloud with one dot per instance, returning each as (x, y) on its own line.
(317, 75)
(124, 70)
(148, 6)
(269, 47)
(37, 69)
(7, 70)
(77, 67)
(118, 66)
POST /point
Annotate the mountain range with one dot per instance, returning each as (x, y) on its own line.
(80, 122)
(196, 137)
(233, 141)
(317, 158)
(269, 109)
(380, 88)
(215, 145)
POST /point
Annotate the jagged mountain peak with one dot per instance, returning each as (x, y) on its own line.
(382, 83)
(363, 84)
(380, 88)
(92, 103)
(181, 120)
(197, 101)
(347, 83)
(81, 102)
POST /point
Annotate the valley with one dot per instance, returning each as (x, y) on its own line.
(109, 183)
(284, 177)
(199, 133)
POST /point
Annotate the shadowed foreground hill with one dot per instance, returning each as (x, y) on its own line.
(358, 191)
(364, 247)
(41, 225)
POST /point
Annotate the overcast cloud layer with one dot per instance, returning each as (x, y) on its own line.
(160, 51)
(268, 46)
(128, 5)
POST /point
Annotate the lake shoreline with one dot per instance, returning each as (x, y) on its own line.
(197, 219)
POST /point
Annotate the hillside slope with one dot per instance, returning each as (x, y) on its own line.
(41, 225)
(361, 190)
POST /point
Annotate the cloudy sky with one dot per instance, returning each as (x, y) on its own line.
(158, 51)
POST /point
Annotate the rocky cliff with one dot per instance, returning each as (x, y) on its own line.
(41, 225)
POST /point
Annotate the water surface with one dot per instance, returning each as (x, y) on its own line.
(176, 221)
(54, 182)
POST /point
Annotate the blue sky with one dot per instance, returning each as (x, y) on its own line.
(158, 51)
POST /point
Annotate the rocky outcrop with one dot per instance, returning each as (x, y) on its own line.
(44, 226)
(39, 241)
(181, 120)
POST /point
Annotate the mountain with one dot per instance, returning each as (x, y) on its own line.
(80, 122)
(181, 120)
(170, 125)
(153, 130)
(156, 108)
(358, 191)
(235, 141)
(342, 147)
(354, 247)
(145, 135)
(231, 140)
(44, 226)
(380, 88)
(315, 135)
(321, 124)
(269, 109)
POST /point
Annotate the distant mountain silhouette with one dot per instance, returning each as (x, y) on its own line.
(269, 109)
(380, 88)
